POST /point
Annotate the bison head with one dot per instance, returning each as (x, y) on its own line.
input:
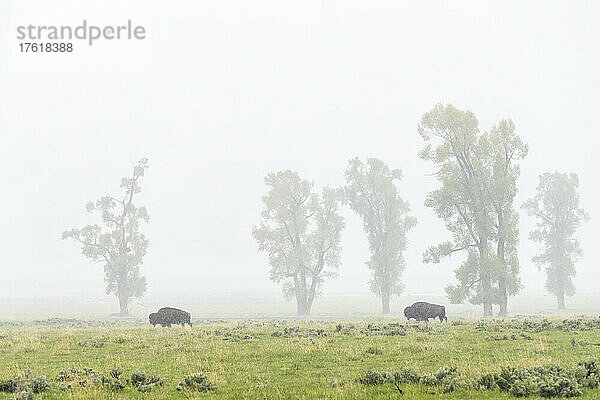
(408, 312)
(153, 318)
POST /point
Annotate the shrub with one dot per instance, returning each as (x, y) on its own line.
(39, 384)
(406, 375)
(335, 383)
(560, 386)
(196, 382)
(112, 380)
(592, 381)
(115, 385)
(72, 377)
(138, 378)
(374, 351)
(428, 380)
(13, 385)
(445, 379)
(25, 396)
(372, 378)
(486, 382)
(546, 382)
(143, 382)
(26, 383)
(520, 388)
(506, 378)
(145, 388)
(115, 373)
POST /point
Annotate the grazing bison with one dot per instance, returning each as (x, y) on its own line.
(422, 311)
(168, 316)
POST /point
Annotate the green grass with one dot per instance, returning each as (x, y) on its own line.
(314, 360)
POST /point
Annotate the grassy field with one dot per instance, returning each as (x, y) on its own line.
(309, 359)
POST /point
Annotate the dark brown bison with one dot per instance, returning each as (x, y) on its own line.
(168, 316)
(422, 311)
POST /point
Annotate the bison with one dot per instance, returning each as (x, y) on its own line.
(168, 316)
(422, 311)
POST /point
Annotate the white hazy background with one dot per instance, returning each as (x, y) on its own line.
(221, 93)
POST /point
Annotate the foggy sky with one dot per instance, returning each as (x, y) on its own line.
(221, 93)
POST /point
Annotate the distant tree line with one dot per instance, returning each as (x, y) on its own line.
(477, 174)
(300, 228)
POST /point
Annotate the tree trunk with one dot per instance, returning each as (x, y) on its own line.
(123, 303)
(503, 293)
(560, 292)
(123, 295)
(560, 300)
(385, 299)
(486, 288)
(488, 311)
(486, 280)
(385, 303)
(314, 282)
(302, 306)
(503, 312)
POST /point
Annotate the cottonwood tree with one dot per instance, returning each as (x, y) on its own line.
(505, 149)
(300, 231)
(462, 201)
(556, 208)
(478, 174)
(372, 193)
(117, 241)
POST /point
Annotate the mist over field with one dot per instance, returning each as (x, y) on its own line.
(221, 94)
(319, 199)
